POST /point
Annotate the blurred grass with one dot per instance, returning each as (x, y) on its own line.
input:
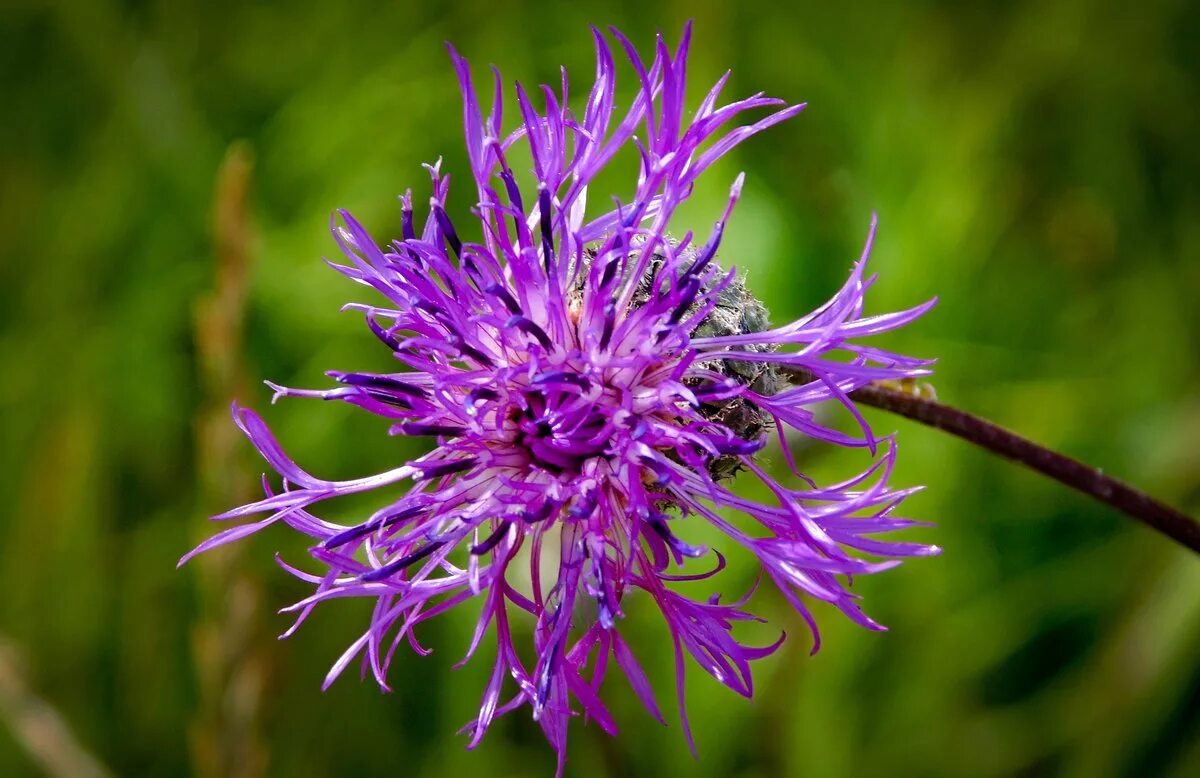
(1033, 164)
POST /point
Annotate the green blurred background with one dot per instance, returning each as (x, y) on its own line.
(1035, 165)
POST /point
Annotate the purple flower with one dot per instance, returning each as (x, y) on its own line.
(591, 381)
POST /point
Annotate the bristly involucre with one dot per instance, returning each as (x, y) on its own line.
(590, 380)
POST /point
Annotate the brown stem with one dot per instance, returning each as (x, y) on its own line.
(231, 652)
(1090, 480)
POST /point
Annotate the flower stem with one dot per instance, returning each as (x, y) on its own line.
(992, 437)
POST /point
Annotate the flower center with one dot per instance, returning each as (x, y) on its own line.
(559, 434)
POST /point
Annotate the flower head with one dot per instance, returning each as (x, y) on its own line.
(591, 381)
